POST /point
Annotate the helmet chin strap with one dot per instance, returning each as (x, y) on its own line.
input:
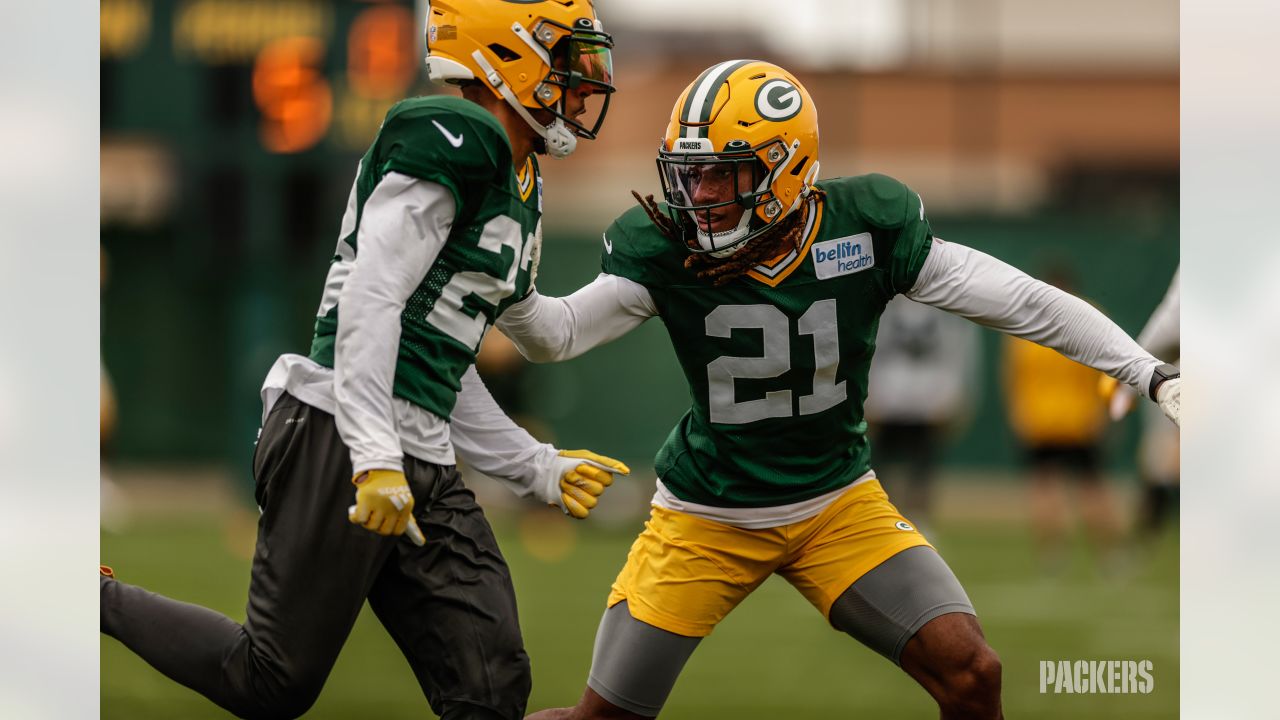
(710, 241)
(559, 139)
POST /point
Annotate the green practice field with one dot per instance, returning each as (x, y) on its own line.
(774, 657)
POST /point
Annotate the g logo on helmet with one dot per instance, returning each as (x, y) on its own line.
(778, 100)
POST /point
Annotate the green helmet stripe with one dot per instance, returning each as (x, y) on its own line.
(702, 96)
(693, 90)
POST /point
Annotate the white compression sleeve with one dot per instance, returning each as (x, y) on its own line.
(1162, 334)
(404, 224)
(490, 441)
(975, 285)
(548, 329)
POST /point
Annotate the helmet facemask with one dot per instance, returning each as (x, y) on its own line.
(581, 58)
(741, 175)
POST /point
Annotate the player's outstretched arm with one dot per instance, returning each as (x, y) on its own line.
(550, 329)
(975, 285)
(491, 442)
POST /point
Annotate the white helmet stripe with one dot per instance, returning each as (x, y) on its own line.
(697, 106)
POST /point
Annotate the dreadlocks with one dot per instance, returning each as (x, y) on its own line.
(788, 235)
(657, 217)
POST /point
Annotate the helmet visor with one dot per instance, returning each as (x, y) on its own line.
(591, 59)
(590, 82)
(582, 67)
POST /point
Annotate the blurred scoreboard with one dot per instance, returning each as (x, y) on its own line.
(288, 76)
(230, 134)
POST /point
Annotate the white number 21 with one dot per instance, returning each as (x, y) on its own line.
(819, 321)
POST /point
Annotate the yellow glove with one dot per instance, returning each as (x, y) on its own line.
(384, 504)
(580, 477)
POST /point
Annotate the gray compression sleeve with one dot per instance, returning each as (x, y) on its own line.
(886, 607)
(635, 665)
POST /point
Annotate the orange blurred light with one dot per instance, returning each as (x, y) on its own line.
(382, 52)
(292, 94)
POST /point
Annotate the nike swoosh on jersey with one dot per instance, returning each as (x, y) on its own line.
(454, 140)
(608, 246)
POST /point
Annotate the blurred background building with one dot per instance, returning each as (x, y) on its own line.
(231, 130)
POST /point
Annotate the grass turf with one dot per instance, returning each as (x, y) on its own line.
(773, 657)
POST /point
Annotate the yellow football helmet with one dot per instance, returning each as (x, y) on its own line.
(528, 52)
(739, 112)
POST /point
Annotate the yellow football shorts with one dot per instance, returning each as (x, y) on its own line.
(685, 573)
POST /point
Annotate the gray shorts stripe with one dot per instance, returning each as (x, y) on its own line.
(887, 606)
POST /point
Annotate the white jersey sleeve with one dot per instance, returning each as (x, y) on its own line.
(548, 329)
(975, 285)
(1162, 334)
(403, 227)
(490, 441)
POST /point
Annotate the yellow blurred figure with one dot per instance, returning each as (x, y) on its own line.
(1059, 417)
(1051, 400)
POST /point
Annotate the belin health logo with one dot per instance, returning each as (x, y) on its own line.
(1096, 676)
(842, 256)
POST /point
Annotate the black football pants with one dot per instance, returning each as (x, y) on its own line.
(449, 605)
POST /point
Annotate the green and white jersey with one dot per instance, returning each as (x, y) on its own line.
(484, 265)
(440, 235)
(777, 360)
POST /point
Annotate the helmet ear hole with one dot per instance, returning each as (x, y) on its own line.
(503, 53)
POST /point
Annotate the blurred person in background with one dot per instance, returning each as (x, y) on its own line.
(770, 284)
(1158, 449)
(920, 388)
(441, 234)
(1058, 420)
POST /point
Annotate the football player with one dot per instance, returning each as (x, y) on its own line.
(440, 236)
(771, 284)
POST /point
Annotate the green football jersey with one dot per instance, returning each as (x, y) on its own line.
(777, 360)
(486, 262)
